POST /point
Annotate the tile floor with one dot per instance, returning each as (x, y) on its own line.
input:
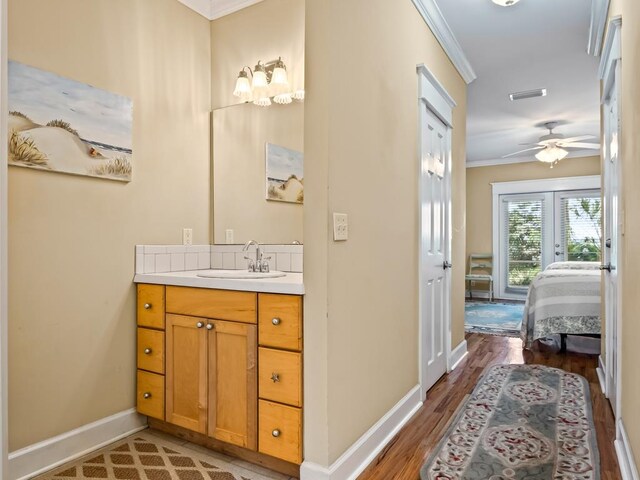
(153, 455)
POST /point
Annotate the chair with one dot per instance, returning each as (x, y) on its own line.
(480, 270)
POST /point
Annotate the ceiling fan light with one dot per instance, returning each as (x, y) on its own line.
(505, 3)
(551, 154)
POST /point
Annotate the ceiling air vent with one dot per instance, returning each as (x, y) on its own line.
(540, 92)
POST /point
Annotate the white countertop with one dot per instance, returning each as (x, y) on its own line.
(291, 283)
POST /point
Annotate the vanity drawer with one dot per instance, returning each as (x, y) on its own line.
(150, 396)
(280, 321)
(215, 304)
(279, 376)
(151, 306)
(151, 350)
(280, 431)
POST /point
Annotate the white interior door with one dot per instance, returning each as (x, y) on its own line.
(612, 219)
(435, 207)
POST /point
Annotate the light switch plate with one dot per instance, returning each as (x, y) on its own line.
(228, 236)
(340, 227)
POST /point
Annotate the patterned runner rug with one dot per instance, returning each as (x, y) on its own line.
(521, 422)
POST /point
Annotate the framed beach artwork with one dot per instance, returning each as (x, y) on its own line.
(61, 125)
(285, 174)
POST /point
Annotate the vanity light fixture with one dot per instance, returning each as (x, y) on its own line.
(505, 3)
(267, 80)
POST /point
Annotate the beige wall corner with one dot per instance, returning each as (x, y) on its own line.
(361, 130)
(72, 317)
(631, 200)
(264, 31)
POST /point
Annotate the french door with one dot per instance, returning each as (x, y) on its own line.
(537, 229)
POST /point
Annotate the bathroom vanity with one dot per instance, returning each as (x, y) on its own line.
(220, 363)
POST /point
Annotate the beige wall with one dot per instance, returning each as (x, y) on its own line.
(264, 31)
(239, 137)
(71, 242)
(631, 200)
(479, 194)
(361, 126)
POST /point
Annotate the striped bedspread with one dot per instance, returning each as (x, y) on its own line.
(562, 301)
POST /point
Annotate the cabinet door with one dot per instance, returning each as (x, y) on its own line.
(186, 372)
(233, 391)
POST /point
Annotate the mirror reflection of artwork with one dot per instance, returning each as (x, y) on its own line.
(61, 125)
(285, 179)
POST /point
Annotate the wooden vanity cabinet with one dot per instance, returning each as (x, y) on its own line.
(203, 353)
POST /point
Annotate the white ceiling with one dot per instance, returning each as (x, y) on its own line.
(533, 44)
(213, 9)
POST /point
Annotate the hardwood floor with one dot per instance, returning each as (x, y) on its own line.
(405, 454)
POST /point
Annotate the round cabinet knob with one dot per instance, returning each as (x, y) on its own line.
(275, 377)
(276, 433)
(200, 324)
(209, 326)
(146, 395)
(147, 306)
(275, 321)
(147, 351)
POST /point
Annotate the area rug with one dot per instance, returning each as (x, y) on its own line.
(144, 456)
(493, 318)
(521, 422)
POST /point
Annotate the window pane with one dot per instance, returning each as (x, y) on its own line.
(524, 241)
(581, 233)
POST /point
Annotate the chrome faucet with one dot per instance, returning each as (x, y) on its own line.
(261, 263)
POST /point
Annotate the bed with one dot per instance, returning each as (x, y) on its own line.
(563, 299)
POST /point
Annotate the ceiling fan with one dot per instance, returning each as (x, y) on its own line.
(551, 147)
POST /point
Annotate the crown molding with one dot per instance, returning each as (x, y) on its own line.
(203, 7)
(434, 19)
(220, 8)
(611, 49)
(212, 9)
(507, 161)
(599, 12)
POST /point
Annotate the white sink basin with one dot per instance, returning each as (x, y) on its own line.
(239, 274)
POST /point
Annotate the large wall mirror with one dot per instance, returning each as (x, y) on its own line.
(240, 185)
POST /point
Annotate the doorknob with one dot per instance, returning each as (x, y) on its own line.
(607, 243)
(446, 265)
(608, 267)
(559, 253)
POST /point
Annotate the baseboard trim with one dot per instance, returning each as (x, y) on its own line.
(457, 355)
(626, 460)
(477, 294)
(601, 378)
(352, 462)
(53, 452)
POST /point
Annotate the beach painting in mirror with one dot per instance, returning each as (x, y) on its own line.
(285, 179)
(61, 125)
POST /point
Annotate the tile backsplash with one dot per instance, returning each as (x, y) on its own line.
(180, 258)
